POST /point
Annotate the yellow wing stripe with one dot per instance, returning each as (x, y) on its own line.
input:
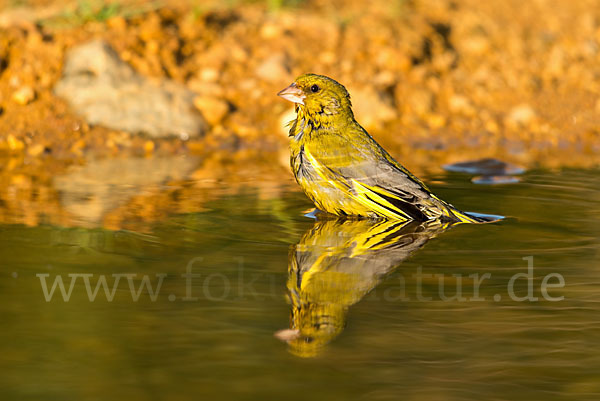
(319, 169)
(375, 237)
(370, 198)
(364, 194)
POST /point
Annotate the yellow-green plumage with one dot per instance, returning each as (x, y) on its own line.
(343, 170)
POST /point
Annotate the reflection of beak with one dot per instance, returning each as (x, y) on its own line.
(293, 94)
(287, 335)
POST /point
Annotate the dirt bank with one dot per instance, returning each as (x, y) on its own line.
(435, 82)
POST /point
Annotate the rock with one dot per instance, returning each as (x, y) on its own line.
(105, 90)
(24, 95)
(213, 109)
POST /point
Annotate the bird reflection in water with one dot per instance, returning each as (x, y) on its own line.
(335, 264)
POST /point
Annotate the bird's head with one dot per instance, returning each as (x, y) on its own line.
(318, 96)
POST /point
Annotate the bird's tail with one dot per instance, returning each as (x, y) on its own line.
(470, 217)
(452, 214)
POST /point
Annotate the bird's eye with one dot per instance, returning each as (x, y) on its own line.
(314, 88)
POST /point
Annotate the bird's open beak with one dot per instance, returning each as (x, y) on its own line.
(293, 94)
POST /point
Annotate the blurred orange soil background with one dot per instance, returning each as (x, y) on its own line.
(433, 81)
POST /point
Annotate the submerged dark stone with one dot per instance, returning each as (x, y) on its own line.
(486, 167)
(495, 179)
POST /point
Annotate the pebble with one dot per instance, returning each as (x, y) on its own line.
(14, 143)
(35, 150)
(521, 115)
(270, 30)
(149, 147)
(213, 109)
(14, 81)
(492, 126)
(435, 120)
(460, 104)
(209, 74)
(118, 23)
(475, 45)
(24, 95)
(238, 54)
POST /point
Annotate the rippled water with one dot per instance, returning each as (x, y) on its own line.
(283, 307)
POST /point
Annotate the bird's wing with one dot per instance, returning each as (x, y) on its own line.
(364, 170)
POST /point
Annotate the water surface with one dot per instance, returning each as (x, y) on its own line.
(283, 307)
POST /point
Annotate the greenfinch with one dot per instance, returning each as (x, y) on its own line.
(343, 170)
